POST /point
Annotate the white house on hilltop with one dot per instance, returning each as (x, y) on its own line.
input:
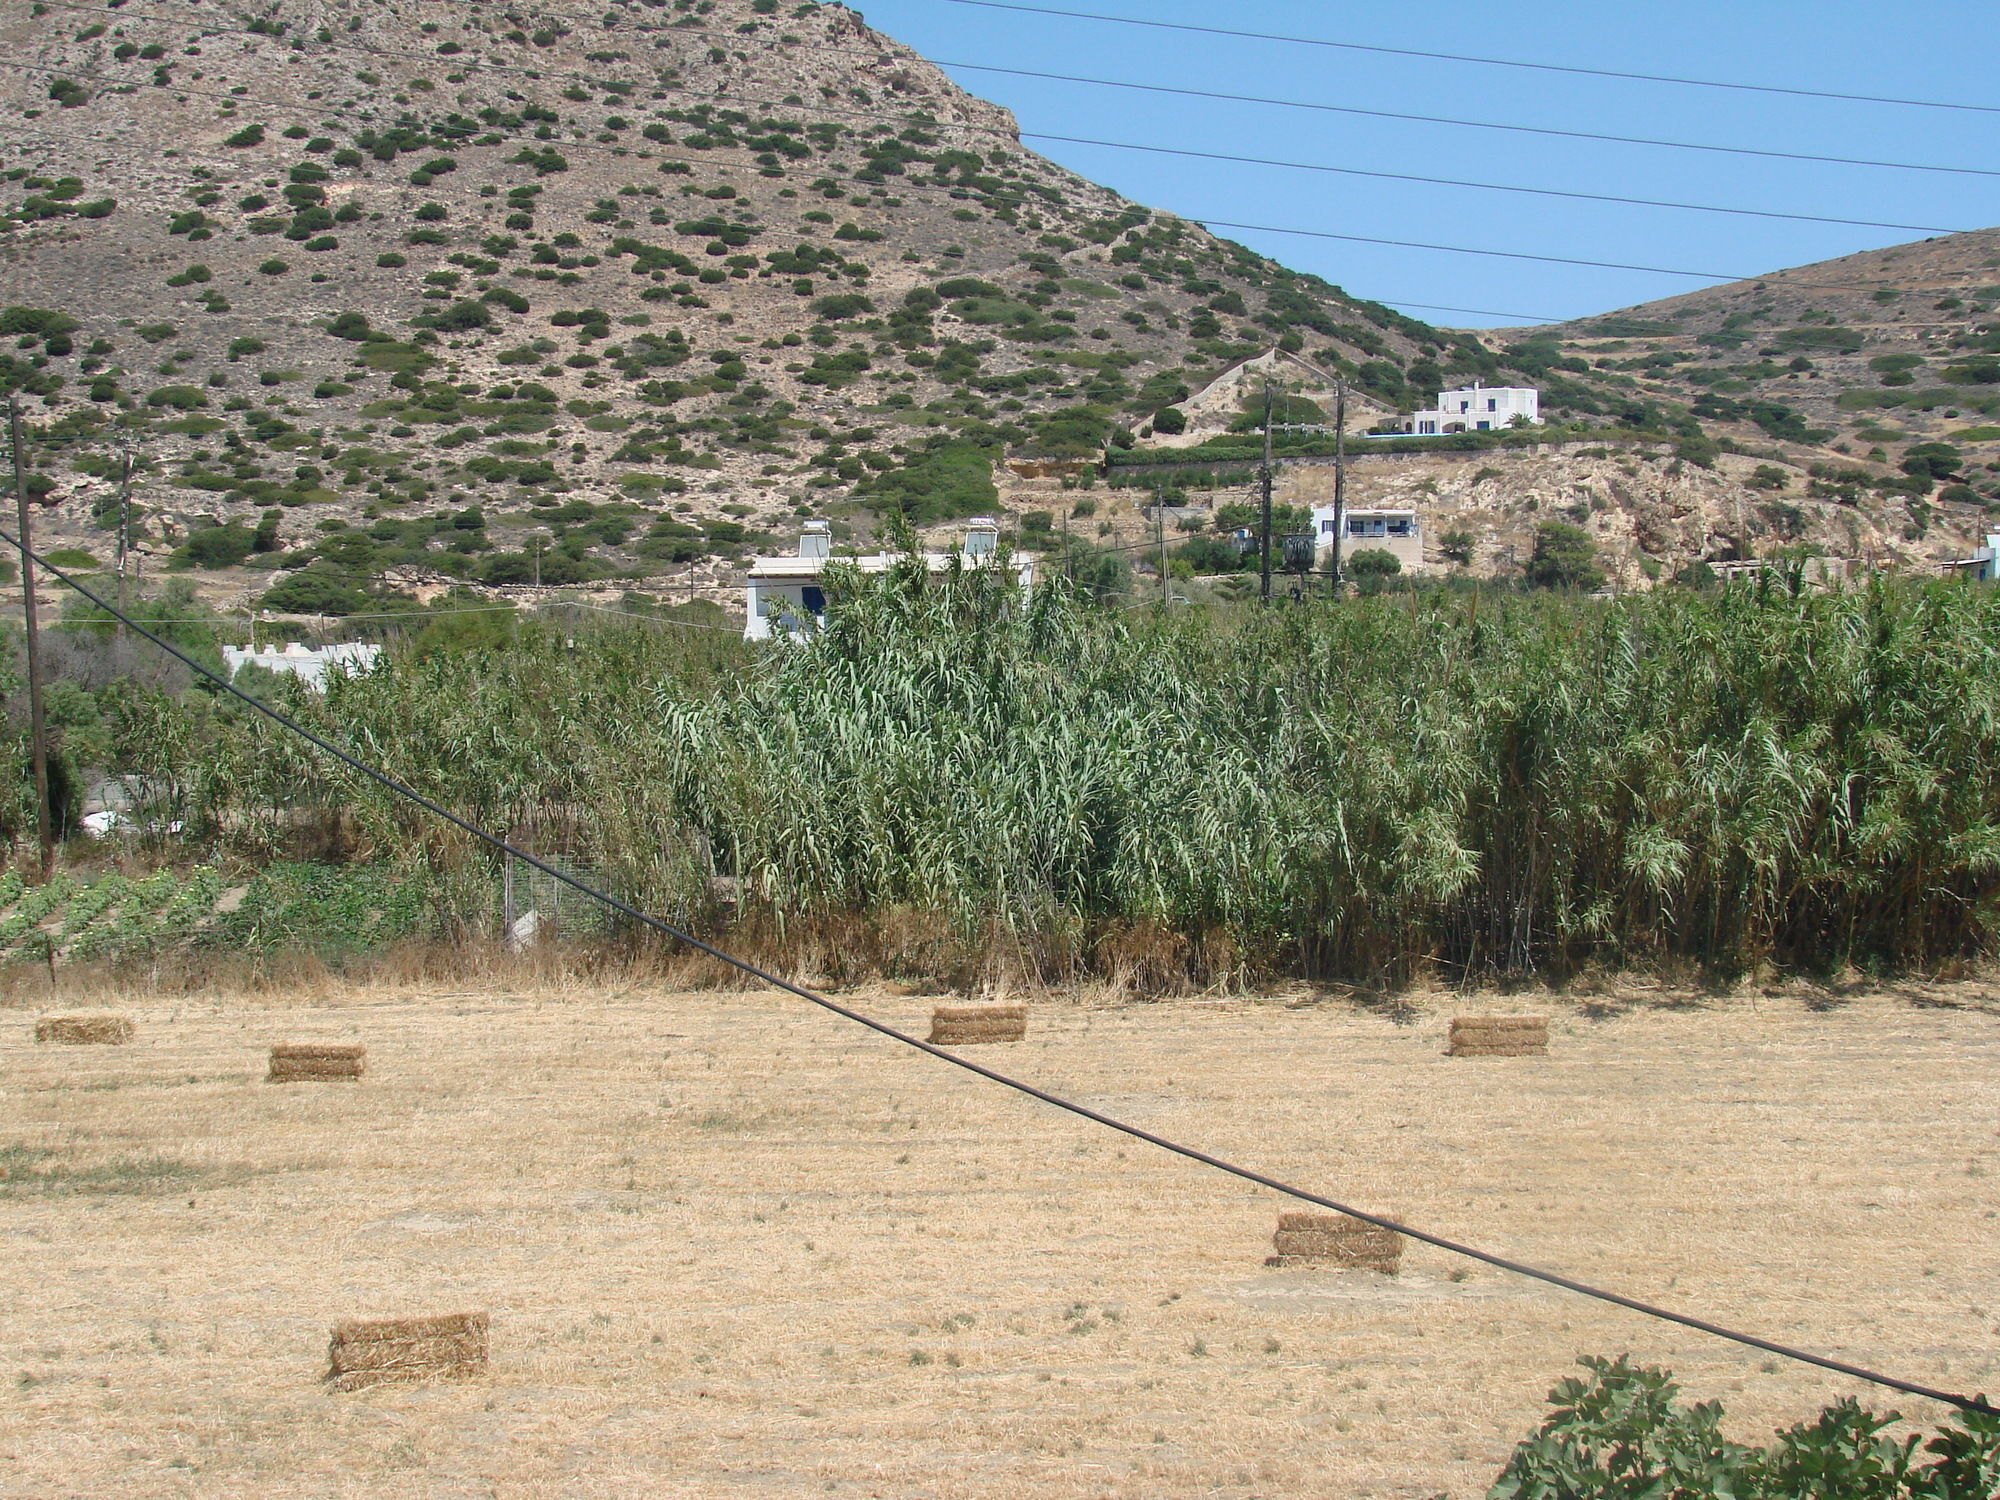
(1476, 408)
(784, 595)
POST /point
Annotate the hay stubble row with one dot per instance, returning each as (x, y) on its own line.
(739, 1252)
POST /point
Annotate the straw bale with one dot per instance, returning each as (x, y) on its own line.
(315, 1062)
(1499, 1036)
(85, 1031)
(980, 1013)
(1337, 1240)
(407, 1350)
(965, 1025)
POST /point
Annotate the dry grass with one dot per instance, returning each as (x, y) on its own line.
(731, 1246)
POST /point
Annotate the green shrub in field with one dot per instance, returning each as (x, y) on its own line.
(1624, 1435)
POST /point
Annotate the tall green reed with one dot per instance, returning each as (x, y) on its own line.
(1472, 786)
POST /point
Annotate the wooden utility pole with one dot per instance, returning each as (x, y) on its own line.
(125, 534)
(1265, 477)
(1339, 482)
(1160, 532)
(37, 723)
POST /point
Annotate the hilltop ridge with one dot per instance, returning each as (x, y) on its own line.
(382, 296)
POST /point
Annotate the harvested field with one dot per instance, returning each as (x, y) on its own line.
(730, 1246)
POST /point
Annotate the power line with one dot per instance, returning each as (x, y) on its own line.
(1555, 260)
(1190, 1153)
(1700, 275)
(828, 108)
(1477, 312)
(1492, 187)
(1491, 62)
(1383, 114)
(1204, 155)
(1191, 218)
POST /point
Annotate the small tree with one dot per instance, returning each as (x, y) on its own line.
(1456, 546)
(1564, 558)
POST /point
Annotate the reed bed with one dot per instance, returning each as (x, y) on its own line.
(954, 783)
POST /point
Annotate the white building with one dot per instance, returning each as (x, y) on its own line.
(1398, 532)
(785, 594)
(309, 662)
(1982, 567)
(1477, 408)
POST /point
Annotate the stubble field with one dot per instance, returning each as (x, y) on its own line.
(732, 1246)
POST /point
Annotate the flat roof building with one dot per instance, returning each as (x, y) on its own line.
(1475, 408)
(1397, 532)
(786, 595)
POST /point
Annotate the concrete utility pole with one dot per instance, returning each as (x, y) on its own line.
(1339, 482)
(37, 724)
(1265, 476)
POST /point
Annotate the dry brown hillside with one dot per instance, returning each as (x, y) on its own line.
(1877, 373)
(402, 284)
(392, 296)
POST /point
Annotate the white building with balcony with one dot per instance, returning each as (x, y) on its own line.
(1477, 408)
(787, 595)
(1397, 532)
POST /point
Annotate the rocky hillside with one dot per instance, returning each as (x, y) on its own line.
(385, 297)
(392, 290)
(1878, 373)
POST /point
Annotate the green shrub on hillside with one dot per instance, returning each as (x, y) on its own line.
(951, 480)
(1564, 558)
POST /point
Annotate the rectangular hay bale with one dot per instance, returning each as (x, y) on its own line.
(404, 1351)
(85, 1031)
(1499, 1036)
(317, 1062)
(1337, 1240)
(965, 1025)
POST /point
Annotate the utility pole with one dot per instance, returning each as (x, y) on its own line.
(1339, 481)
(37, 724)
(1264, 481)
(125, 534)
(1160, 532)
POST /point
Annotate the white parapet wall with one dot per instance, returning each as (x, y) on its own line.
(299, 660)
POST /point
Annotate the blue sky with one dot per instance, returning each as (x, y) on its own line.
(1941, 50)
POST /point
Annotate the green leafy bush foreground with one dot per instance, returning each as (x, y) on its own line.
(1623, 1434)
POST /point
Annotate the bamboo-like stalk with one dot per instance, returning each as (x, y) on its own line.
(1710, 780)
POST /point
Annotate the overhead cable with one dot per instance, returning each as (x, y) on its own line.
(1191, 218)
(1070, 1106)
(1383, 114)
(1490, 62)
(462, 63)
(1491, 187)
